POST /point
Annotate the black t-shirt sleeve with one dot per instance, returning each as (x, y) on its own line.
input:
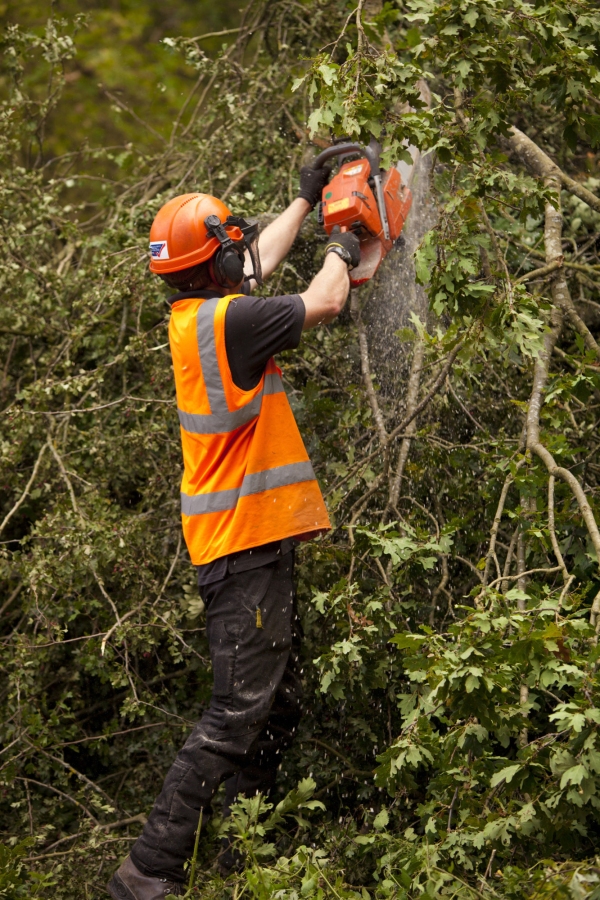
(256, 329)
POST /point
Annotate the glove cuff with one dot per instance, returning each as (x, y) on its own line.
(340, 251)
(304, 195)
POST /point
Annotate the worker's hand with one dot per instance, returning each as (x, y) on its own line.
(312, 182)
(347, 246)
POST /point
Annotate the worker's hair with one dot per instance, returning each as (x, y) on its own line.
(196, 278)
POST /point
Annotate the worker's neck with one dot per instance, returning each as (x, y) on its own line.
(224, 292)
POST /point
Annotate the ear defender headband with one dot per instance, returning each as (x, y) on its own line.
(228, 262)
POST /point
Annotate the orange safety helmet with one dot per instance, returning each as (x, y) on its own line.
(180, 239)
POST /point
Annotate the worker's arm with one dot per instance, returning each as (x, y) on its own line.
(327, 293)
(275, 241)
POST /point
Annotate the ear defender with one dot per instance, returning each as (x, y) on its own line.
(227, 265)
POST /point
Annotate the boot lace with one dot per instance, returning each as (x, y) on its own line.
(171, 887)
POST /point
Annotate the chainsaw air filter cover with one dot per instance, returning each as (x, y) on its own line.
(349, 202)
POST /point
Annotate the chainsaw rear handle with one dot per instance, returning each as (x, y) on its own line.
(371, 152)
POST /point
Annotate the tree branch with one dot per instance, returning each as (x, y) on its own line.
(431, 392)
(412, 394)
(28, 487)
(491, 554)
(541, 164)
(66, 479)
(555, 547)
(541, 272)
(553, 235)
(365, 366)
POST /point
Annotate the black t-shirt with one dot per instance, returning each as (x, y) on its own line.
(256, 329)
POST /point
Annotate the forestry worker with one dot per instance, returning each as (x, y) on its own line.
(248, 495)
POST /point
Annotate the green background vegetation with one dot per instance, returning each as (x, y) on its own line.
(450, 743)
(120, 50)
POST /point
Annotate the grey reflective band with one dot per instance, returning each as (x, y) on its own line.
(277, 477)
(224, 422)
(257, 483)
(207, 348)
(273, 384)
(219, 501)
(220, 423)
(220, 420)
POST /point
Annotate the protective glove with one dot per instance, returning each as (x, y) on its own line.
(347, 247)
(312, 182)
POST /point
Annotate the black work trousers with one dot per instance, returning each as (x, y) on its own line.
(253, 714)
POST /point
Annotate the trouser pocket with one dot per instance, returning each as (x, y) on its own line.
(231, 624)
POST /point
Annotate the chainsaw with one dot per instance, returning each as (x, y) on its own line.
(364, 199)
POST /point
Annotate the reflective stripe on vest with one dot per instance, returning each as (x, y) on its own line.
(220, 420)
(223, 422)
(219, 501)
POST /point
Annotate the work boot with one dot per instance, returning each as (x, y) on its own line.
(128, 883)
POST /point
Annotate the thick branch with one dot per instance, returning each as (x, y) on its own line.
(578, 492)
(541, 164)
(595, 612)
(579, 326)
(534, 444)
(541, 272)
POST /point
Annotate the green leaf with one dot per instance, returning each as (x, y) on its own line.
(406, 641)
(413, 37)
(297, 83)
(574, 775)
(592, 128)
(463, 67)
(381, 820)
(329, 73)
(507, 774)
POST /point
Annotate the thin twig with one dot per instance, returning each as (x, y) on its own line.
(555, 547)
(66, 479)
(463, 407)
(50, 787)
(28, 486)
(365, 365)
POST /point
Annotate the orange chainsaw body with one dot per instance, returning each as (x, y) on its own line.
(350, 203)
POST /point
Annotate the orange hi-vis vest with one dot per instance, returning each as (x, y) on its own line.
(247, 477)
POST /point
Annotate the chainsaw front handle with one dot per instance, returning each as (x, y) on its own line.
(370, 152)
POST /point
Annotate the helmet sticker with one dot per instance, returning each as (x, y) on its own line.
(159, 250)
